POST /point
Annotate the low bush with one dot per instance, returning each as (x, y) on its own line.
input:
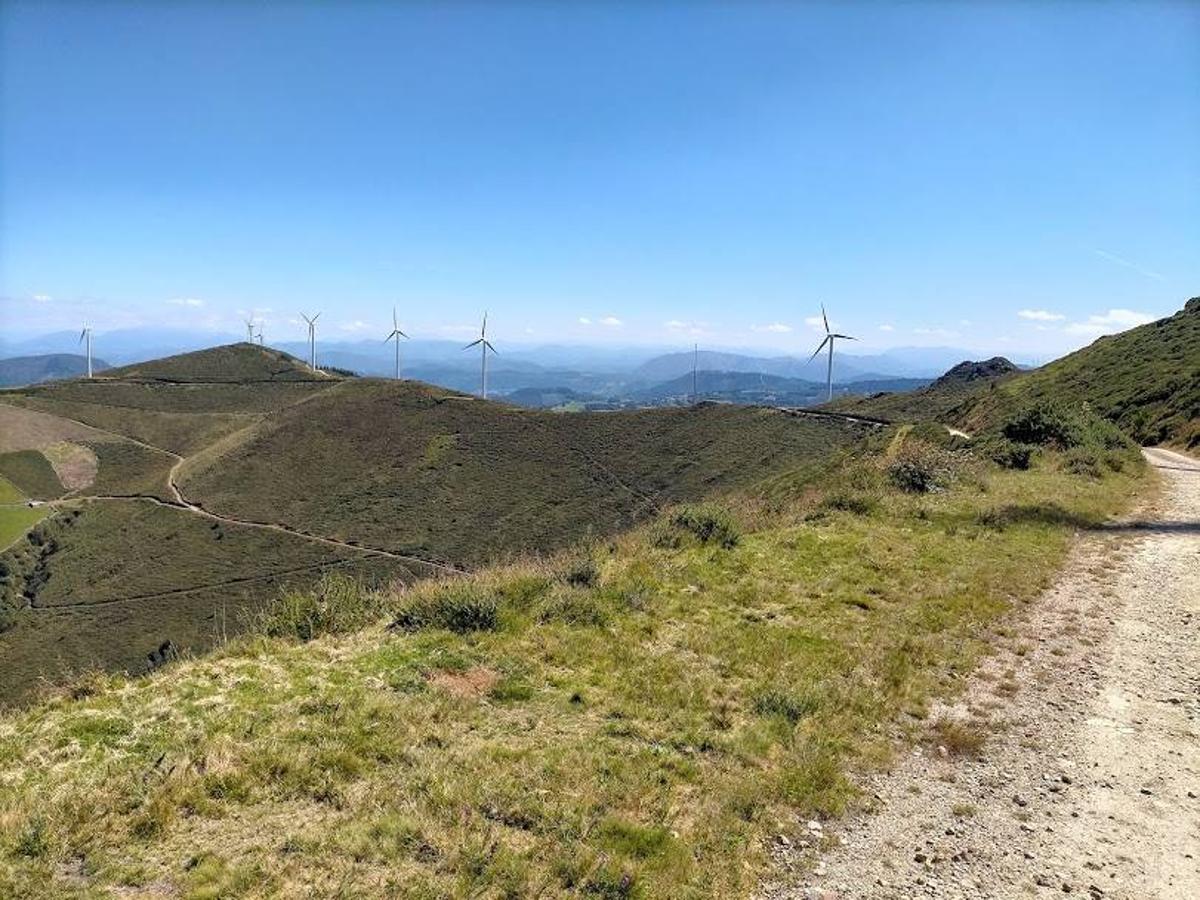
(460, 606)
(920, 467)
(1006, 453)
(335, 605)
(707, 522)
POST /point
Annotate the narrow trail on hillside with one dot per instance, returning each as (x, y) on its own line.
(1089, 780)
(181, 502)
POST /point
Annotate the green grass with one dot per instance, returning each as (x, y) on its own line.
(1146, 380)
(112, 581)
(16, 520)
(9, 492)
(425, 471)
(32, 473)
(130, 470)
(634, 720)
(242, 362)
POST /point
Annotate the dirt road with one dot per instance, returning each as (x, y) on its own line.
(1089, 780)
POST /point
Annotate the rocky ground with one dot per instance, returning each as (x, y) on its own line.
(1071, 764)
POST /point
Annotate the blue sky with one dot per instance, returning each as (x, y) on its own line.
(1002, 177)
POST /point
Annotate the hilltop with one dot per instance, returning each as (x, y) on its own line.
(235, 363)
(1146, 380)
(184, 497)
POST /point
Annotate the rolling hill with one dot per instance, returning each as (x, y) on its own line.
(20, 370)
(1146, 380)
(188, 490)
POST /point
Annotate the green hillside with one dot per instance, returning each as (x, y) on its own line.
(335, 468)
(640, 719)
(230, 363)
(425, 471)
(1146, 380)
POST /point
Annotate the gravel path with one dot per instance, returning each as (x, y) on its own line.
(1089, 780)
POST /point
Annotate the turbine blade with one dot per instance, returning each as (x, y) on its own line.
(844, 337)
(489, 346)
(820, 347)
(825, 317)
(395, 324)
(401, 333)
(82, 335)
(473, 343)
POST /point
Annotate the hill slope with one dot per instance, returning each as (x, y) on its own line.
(241, 363)
(283, 480)
(20, 370)
(1146, 380)
(424, 471)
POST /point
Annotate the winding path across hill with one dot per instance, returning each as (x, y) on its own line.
(1089, 781)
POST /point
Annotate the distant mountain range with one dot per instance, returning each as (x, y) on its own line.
(20, 370)
(590, 372)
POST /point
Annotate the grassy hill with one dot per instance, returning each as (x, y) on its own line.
(432, 473)
(1146, 380)
(638, 719)
(341, 466)
(17, 370)
(241, 363)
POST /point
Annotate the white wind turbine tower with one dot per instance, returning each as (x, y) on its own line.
(829, 339)
(259, 336)
(312, 339)
(250, 331)
(86, 335)
(484, 346)
(396, 335)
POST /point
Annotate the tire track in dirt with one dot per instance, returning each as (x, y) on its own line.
(1089, 780)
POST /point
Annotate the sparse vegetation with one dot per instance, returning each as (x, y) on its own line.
(629, 720)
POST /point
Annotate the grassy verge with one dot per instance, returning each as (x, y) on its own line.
(633, 720)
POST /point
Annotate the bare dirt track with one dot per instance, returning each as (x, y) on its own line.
(1088, 782)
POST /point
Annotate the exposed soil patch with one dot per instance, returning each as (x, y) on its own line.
(74, 464)
(469, 685)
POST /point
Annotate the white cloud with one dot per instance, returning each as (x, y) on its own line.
(1040, 315)
(675, 324)
(886, 327)
(936, 332)
(611, 322)
(815, 322)
(1110, 322)
(1128, 264)
(773, 328)
(584, 320)
(356, 325)
(194, 302)
(42, 298)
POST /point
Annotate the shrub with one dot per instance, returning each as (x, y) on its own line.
(1044, 424)
(920, 467)
(459, 606)
(578, 571)
(1007, 453)
(708, 523)
(335, 605)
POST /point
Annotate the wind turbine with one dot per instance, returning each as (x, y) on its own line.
(695, 365)
(312, 339)
(86, 334)
(250, 331)
(396, 335)
(484, 346)
(829, 339)
(259, 337)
